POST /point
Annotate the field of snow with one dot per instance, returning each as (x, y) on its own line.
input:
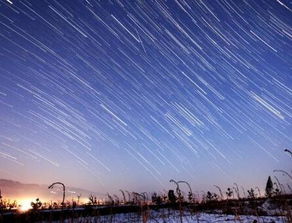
(166, 216)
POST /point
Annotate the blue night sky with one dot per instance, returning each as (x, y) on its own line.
(109, 95)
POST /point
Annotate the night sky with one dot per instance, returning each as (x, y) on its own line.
(109, 95)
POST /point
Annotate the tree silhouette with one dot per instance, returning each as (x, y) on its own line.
(124, 197)
(171, 196)
(259, 191)
(156, 199)
(1, 201)
(64, 189)
(36, 205)
(190, 194)
(178, 191)
(251, 193)
(269, 187)
(92, 200)
(220, 191)
(229, 192)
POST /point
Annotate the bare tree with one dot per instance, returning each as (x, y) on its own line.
(220, 191)
(259, 191)
(281, 186)
(179, 197)
(236, 190)
(178, 191)
(64, 189)
(124, 197)
(78, 198)
(129, 196)
(190, 196)
(243, 191)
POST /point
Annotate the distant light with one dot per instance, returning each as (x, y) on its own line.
(24, 205)
(10, 2)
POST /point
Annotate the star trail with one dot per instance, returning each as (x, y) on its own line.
(129, 94)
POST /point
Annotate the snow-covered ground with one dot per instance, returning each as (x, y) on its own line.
(165, 216)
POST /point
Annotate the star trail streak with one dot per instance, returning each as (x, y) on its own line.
(129, 94)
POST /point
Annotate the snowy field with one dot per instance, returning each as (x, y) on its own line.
(164, 216)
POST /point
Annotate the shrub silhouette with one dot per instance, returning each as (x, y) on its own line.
(229, 193)
(156, 199)
(36, 205)
(171, 196)
(251, 193)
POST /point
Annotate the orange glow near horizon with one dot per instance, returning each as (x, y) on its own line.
(24, 205)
